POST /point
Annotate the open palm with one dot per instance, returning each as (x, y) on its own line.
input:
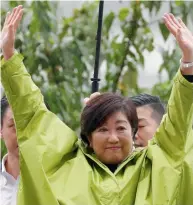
(7, 38)
(182, 34)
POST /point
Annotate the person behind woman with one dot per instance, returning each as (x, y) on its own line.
(100, 168)
(150, 111)
(9, 174)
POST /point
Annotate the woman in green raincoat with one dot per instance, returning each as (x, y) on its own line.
(101, 168)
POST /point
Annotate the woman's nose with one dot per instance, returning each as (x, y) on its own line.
(113, 138)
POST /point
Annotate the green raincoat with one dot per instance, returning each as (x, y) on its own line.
(186, 188)
(57, 169)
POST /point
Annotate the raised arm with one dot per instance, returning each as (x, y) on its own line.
(24, 96)
(177, 123)
(39, 132)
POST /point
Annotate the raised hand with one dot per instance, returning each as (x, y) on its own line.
(182, 34)
(92, 96)
(7, 38)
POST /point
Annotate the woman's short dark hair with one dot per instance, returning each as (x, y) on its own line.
(100, 108)
(4, 106)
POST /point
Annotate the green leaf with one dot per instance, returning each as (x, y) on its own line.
(151, 3)
(123, 13)
(129, 80)
(164, 31)
(178, 3)
(118, 47)
(157, 5)
(132, 75)
(108, 21)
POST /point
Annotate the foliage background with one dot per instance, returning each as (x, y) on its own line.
(59, 52)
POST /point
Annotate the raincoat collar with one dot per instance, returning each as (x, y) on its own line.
(90, 154)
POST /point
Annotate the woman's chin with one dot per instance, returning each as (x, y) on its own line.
(113, 161)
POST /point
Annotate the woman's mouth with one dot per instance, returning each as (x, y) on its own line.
(113, 148)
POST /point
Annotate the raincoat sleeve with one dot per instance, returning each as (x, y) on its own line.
(176, 126)
(45, 142)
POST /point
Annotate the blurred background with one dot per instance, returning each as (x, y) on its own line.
(57, 40)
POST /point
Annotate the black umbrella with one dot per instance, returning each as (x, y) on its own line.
(95, 80)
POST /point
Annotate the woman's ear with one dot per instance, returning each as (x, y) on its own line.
(90, 141)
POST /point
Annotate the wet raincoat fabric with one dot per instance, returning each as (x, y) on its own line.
(186, 187)
(57, 169)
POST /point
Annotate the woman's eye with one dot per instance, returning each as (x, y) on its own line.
(103, 129)
(121, 128)
(11, 125)
(141, 126)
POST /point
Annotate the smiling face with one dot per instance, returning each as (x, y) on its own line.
(8, 132)
(147, 126)
(112, 142)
